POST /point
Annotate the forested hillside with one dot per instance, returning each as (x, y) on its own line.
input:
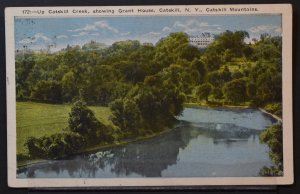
(229, 70)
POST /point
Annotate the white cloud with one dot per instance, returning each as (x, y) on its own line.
(265, 28)
(35, 38)
(61, 36)
(42, 36)
(193, 27)
(150, 37)
(151, 34)
(80, 34)
(104, 25)
(99, 25)
(166, 29)
(88, 27)
(25, 41)
(193, 24)
(125, 33)
(95, 34)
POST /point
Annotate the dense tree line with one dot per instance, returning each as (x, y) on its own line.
(235, 71)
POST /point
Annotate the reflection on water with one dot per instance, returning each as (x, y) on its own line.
(218, 147)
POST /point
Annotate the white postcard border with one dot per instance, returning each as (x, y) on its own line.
(284, 9)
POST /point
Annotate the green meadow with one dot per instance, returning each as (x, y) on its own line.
(39, 119)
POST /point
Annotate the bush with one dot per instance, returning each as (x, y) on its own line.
(22, 157)
(270, 171)
(74, 142)
(55, 146)
(273, 138)
(35, 148)
(274, 108)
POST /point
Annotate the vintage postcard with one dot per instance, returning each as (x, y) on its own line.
(149, 95)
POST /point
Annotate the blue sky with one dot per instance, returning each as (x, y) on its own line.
(37, 33)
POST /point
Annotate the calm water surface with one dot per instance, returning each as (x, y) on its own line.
(207, 143)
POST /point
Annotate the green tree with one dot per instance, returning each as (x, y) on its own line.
(147, 101)
(268, 48)
(220, 77)
(126, 115)
(272, 136)
(199, 65)
(203, 91)
(47, 90)
(217, 93)
(227, 45)
(69, 86)
(34, 148)
(168, 50)
(133, 72)
(269, 86)
(24, 65)
(83, 121)
(235, 90)
(212, 59)
(251, 89)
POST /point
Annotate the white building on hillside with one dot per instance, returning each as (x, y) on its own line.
(201, 41)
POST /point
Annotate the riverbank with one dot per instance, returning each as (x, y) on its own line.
(125, 142)
(202, 105)
(26, 163)
(270, 114)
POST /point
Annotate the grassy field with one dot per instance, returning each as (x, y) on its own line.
(39, 119)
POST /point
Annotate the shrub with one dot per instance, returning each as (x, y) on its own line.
(22, 157)
(270, 171)
(55, 146)
(35, 148)
(274, 108)
(273, 138)
(74, 142)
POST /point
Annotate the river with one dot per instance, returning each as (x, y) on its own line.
(208, 142)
